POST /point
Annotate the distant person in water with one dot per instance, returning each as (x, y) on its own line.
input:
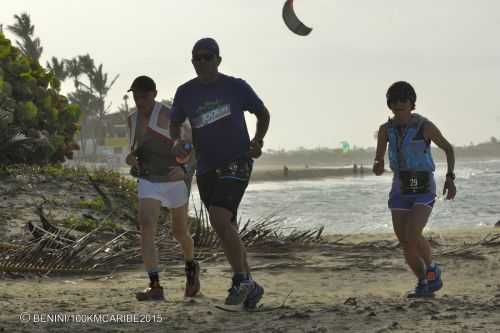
(162, 181)
(413, 191)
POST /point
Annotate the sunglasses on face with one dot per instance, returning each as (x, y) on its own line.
(204, 56)
(141, 95)
(394, 100)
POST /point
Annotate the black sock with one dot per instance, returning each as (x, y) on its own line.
(154, 278)
(239, 277)
(190, 264)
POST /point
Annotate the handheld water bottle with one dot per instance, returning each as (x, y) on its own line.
(184, 159)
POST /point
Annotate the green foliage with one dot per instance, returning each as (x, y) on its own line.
(87, 225)
(42, 124)
(94, 204)
(50, 170)
(27, 111)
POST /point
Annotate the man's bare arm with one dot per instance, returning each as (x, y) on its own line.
(175, 130)
(263, 119)
(257, 142)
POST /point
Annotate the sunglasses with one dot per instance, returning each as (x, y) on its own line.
(204, 56)
(394, 100)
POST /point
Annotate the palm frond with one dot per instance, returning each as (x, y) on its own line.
(264, 229)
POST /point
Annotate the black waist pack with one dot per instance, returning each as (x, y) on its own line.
(415, 182)
(239, 170)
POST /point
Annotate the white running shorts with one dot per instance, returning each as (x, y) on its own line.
(170, 194)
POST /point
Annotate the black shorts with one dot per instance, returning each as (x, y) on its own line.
(224, 187)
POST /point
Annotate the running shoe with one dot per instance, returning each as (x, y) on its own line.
(421, 291)
(254, 297)
(151, 294)
(239, 291)
(434, 278)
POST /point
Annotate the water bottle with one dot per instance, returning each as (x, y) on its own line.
(183, 159)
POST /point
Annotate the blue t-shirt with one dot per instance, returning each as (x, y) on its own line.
(215, 111)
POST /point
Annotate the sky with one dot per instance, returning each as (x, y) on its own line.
(321, 89)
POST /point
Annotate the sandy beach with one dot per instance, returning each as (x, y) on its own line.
(314, 128)
(353, 284)
(343, 283)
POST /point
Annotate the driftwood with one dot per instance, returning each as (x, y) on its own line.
(105, 198)
(265, 229)
(490, 240)
(54, 249)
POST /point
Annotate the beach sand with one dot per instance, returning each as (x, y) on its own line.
(357, 284)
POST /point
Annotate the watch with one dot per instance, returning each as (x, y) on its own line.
(450, 175)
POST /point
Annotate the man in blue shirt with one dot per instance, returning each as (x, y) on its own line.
(215, 103)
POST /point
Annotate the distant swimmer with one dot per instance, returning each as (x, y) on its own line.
(413, 191)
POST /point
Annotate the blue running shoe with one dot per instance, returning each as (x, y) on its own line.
(434, 278)
(254, 297)
(239, 291)
(421, 291)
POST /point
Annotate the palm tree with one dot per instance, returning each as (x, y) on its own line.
(58, 68)
(86, 63)
(87, 67)
(88, 103)
(24, 30)
(99, 80)
(75, 67)
(123, 109)
(74, 70)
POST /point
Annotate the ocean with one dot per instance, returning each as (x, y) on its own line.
(359, 204)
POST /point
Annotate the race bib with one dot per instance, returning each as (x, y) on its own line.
(412, 182)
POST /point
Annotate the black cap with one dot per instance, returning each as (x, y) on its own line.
(143, 83)
(208, 44)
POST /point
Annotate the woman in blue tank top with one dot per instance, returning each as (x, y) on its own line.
(409, 136)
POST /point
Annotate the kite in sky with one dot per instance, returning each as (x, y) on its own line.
(292, 21)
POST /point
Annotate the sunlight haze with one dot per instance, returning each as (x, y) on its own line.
(321, 89)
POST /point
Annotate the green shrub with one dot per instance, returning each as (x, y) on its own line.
(94, 204)
(37, 125)
(87, 225)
